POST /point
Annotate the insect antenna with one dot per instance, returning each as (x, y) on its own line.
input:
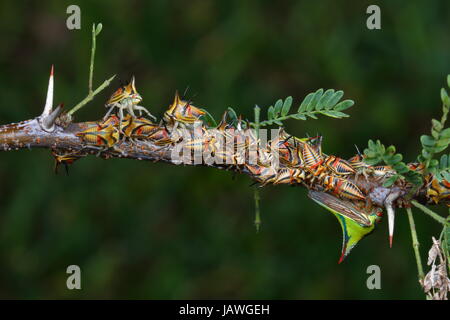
(357, 150)
(67, 168)
(253, 184)
(185, 91)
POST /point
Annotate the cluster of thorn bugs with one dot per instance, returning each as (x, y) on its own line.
(341, 186)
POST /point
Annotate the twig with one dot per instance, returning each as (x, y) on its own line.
(429, 212)
(91, 94)
(256, 191)
(91, 66)
(415, 243)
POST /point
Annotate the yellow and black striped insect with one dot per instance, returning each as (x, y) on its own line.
(310, 156)
(343, 188)
(338, 166)
(202, 144)
(65, 158)
(290, 176)
(138, 127)
(183, 112)
(263, 175)
(438, 191)
(100, 136)
(126, 98)
(161, 137)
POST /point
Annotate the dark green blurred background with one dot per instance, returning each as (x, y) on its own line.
(144, 230)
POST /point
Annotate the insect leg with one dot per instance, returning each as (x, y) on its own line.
(108, 113)
(130, 109)
(120, 118)
(141, 108)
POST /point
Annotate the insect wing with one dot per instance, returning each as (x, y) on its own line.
(355, 223)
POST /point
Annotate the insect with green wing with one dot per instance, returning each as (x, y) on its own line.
(356, 221)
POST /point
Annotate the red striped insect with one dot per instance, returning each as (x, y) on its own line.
(104, 137)
(65, 158)
(203, 144)
(126, 98)
(382, 171)
(311, 158)
(343, 188)
(181, 111)
(138, 127)
(438, 191)
(357, 162)
(161, 137)
(289, 176)
(339, 166)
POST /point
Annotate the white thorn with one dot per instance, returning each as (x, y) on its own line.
(388, 203)
(49, 100)
(391, 221)
(48, 122)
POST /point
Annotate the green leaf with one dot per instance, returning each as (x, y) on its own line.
(324, 99)
(313, 103)
(344, 105)
(390, 181)
(443, 164)
(232, 114)
(390, 150)
(434, 133)
(446, 175)
(445, 133)
(270, 113)
(278, 106)
(436, 124)
(98, 29)
(371, 162)
(298, 116)
(334, 99)
(440, 149)
(371, 144)
(397, 158)
(334, 114)
(209, 119)
(312, 115)
(286, 106)
(427, 141)
(401, 168)
(306, 102)
(434, 163)
(425, 154)
(444, 97)
(278, 122)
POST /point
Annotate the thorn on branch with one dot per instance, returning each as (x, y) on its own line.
(48, 116)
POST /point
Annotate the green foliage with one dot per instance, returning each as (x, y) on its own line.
(445, 240)
(437, 142)
(209, 119)
(233, 116)
(97, 29)
(377, 152)
(316, 103)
